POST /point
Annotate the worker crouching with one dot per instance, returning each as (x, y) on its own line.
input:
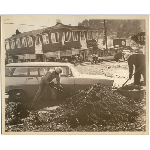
(47, 80)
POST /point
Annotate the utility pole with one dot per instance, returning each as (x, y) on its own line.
(105, 33)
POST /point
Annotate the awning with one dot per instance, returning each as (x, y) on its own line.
(27, 56)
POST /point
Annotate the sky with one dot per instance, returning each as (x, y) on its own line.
(29, 22)
(25, 23)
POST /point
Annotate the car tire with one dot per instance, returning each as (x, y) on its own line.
(17, 96)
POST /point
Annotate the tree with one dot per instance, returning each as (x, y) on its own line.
(123, 28)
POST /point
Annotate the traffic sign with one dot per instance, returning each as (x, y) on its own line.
(120, 42)
(139, 38)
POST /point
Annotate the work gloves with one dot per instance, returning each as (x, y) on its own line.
(51, 85)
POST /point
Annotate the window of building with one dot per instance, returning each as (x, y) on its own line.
(82, 35)
(53, 39)
(89, 35)
(68, 37)
(63, 38)
(94, 35)
(18, 44)
(30, 41)
(45, 39)
(24, 42)
(57, 37)
(75, 36)
(12, 43)
(37, 40)
(7, 46)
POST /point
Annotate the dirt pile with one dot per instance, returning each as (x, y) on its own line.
(98, 108)
(14, 112)
(99, 105)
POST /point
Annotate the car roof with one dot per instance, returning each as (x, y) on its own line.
(38, 64)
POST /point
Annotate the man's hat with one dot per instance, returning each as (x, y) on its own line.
(58, 69)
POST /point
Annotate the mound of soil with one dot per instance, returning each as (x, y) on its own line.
(98, 108)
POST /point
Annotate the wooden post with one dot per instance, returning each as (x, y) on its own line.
(105, 30)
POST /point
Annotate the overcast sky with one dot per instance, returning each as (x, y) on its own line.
(29, 23)
(25, 23)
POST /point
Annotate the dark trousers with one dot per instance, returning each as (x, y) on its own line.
(138, 74)
(42, 85)
(94, 59)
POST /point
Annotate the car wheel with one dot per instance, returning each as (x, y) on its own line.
(17, 96)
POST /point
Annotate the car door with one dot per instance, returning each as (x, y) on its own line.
(16, 78)
(32, 82)
(46, 93)
(67, 80)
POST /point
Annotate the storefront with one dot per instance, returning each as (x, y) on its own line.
(27, 58)
(75, 52)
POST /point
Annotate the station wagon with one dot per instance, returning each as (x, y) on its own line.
(21, 79)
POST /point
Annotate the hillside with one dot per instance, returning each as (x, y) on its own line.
(116, 28)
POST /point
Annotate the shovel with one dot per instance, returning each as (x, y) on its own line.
(52, 89)
(126, 81)
(131, 76)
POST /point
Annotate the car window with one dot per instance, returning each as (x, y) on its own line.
(64, 71)
(9, 71)
(19, 72)
(43, 70)
(34, 72)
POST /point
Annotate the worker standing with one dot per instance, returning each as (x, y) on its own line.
(47, 80)
(96, 58)
(139, 61)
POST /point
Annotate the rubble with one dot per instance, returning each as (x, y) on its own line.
(96, 109)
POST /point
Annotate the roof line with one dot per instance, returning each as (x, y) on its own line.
(57, 26)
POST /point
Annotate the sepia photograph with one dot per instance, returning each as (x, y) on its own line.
(75, 74)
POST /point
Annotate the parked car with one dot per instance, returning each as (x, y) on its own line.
(21, 79)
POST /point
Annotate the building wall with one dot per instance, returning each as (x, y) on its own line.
(22, 50)
(44, 48)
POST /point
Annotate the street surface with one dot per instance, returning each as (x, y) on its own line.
(118, 71)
